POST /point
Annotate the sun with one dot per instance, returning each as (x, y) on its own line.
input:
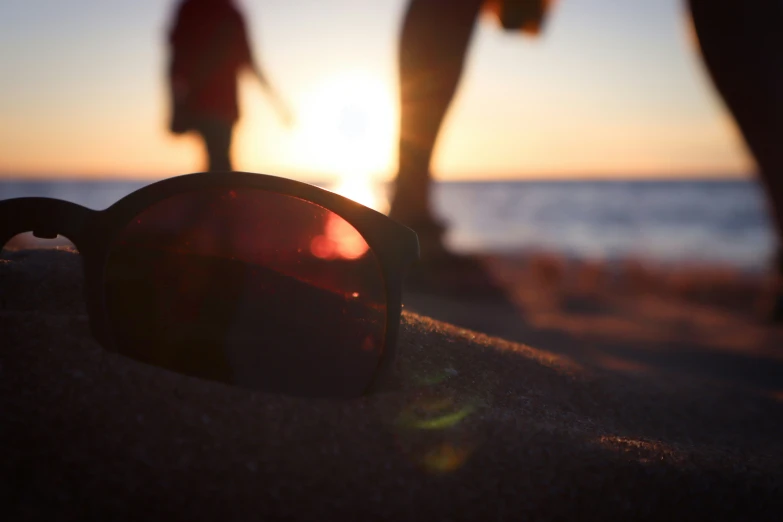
(346, 130)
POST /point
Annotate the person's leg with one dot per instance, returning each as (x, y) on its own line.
(433, 45)
(742, 46)
(216, 134)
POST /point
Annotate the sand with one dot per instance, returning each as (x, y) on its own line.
(604, 419)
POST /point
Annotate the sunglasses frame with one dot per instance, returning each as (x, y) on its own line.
(93, 232)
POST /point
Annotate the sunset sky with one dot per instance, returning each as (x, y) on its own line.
(613, 88)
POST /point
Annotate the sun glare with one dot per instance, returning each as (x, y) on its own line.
(346, 130)
(362, 189)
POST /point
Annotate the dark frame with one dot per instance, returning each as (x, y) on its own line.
(92, 232)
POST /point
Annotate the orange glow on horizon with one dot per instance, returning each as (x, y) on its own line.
(345, 130)
(635, 101)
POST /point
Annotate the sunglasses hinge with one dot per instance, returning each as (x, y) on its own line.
(43, 233)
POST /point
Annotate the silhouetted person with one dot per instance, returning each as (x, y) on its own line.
(209, 48)
(435, 38)
(742, 46)
(434, 41)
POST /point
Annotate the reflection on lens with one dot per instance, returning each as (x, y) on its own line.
(252, 288)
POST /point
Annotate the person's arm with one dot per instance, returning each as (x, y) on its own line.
(251, 63)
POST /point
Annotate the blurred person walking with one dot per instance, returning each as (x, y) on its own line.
(209, 48)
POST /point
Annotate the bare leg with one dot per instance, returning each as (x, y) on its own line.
(433, 45)
(216, 135)
(742, 45)
(434, 42)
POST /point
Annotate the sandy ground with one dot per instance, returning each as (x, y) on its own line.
(648, 395)
(706, 324)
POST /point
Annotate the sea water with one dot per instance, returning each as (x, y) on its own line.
(722, 222)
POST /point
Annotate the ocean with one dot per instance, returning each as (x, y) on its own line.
(663, 222)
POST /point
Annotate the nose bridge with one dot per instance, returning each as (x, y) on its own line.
(45, 217)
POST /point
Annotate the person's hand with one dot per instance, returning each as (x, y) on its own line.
(286, 116)
(283, 111)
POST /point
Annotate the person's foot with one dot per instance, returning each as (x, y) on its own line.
(442, 272)
(448, 274)
(458, 276)
(776, 316)
(776, 312)
(429, 229)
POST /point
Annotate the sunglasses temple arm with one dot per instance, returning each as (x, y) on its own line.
(46, 218)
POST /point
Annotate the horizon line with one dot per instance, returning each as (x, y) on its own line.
(6, 176)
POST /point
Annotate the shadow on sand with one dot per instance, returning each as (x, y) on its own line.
(703, 328)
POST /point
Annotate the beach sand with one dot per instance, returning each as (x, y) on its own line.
(645, 396)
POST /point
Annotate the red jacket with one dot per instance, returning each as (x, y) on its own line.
(209, 47)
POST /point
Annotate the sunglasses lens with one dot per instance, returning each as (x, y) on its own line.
(251, 288)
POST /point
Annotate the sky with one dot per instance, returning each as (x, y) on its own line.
(611, 89)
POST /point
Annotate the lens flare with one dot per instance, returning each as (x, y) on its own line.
(362, 188)
(432, 432)
(446, 458)
(340, 240)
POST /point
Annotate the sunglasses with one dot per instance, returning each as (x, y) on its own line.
(247, 279)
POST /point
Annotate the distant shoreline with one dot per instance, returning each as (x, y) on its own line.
(715, 221)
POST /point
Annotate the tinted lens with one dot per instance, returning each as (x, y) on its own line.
(251, 288)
